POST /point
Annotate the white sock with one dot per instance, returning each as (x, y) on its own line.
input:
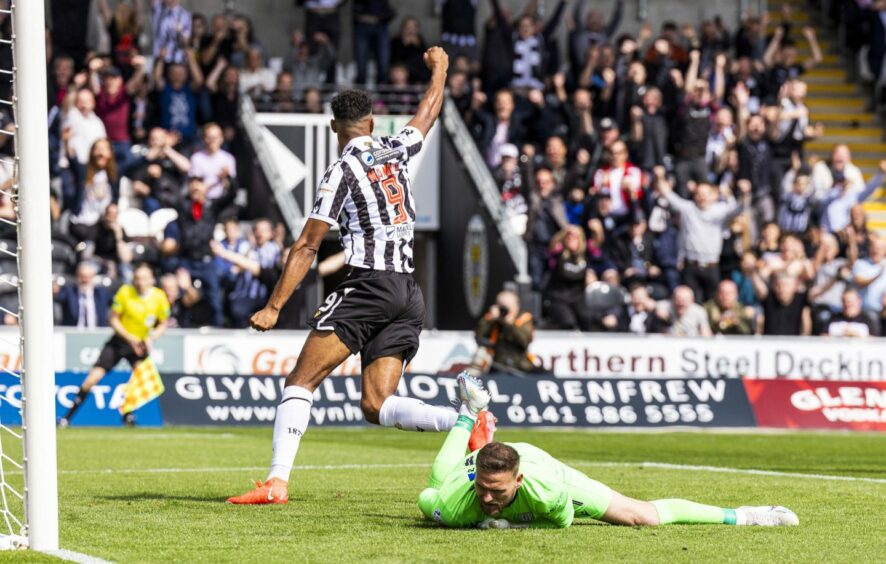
(410, 414)
(293, 416)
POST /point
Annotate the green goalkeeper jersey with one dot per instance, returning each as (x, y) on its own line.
(543, 500)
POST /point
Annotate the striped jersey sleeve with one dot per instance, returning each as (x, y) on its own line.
(409, 141)
(331, 194)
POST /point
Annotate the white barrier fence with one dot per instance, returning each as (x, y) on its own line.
(565, 354)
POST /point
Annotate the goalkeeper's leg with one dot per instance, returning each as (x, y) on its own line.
(595, 500)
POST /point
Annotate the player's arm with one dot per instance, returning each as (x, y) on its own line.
(117, 326)
(437, 61)
(301, 257)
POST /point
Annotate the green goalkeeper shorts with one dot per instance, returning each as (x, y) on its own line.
(590, 497)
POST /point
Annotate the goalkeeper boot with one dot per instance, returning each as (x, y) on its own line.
(483, 431)
(274, 490)
(472, 393)
(766, 516)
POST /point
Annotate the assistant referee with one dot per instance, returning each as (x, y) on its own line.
(139, 315)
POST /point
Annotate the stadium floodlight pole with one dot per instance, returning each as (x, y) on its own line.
(35, 275)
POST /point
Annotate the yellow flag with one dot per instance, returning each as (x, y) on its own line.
(143, 386)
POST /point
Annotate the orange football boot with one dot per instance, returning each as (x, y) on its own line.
(274, 490)
(483, 431)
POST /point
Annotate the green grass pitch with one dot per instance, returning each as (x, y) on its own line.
(157, 496)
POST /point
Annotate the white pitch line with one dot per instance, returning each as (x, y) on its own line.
(662, 465)
(78, 557)
(236, 469)
(64, 437)
(726, 470)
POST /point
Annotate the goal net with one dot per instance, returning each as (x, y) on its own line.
(28, 481)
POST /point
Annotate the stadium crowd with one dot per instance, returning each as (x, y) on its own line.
(665, 168)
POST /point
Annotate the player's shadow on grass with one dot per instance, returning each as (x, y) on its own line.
(154, 496)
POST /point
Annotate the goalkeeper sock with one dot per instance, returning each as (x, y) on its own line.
(77, 402)
(453, 450)
(410, 414)
(293, 416)
(683, 512)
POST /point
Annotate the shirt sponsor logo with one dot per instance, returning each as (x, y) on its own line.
(396, 232)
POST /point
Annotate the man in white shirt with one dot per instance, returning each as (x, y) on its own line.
(686, 318)
(841, 162)
(212, 163)
(81, 127)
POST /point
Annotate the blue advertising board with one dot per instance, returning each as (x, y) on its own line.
(100, 410)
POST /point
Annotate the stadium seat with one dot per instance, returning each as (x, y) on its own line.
(160, 219)
(64, 258)
(135, 223)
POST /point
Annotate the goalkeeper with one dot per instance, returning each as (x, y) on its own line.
(517, 485)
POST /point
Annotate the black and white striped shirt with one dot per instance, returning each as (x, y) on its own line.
(368, 194)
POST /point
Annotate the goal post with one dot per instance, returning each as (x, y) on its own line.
(31, 178)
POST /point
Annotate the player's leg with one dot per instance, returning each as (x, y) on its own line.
(321, 354)
(387, 352)
(380, 406)
(113, 350)
(596, 500)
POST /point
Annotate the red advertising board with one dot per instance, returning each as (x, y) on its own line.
(812, 404)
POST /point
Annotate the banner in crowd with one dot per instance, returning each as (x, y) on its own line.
(575, 355)
(100, 410)
(525, 402)
(808, 404)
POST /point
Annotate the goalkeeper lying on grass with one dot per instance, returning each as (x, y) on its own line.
(509, 485)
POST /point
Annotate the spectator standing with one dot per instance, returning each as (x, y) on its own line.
(171, 31)
(81, 127)
(197, 217)
(371, 19)
(408, 48)
(590, 31)
(565, 289)
(547, 216)
(177, 95)
(70, 25)
(458, 30)
(838, 203)
(308, 61)
(321, 17)
(784, 306)
(250, 291)
(870, 277)
(113, 101)
(530, 52)
(620, 181)
(224, 87)
(833, 274)
(701, 225)
(212, 164)
(693, 125)
(840, 163)
(124, 26)
(215, 45)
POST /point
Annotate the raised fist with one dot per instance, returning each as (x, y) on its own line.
(436, 59)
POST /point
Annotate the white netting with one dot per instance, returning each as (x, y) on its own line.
(13, 528)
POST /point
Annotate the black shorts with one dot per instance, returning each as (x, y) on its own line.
(374, 313)
(115, 349)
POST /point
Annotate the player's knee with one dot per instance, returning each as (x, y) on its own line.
(371, 410)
